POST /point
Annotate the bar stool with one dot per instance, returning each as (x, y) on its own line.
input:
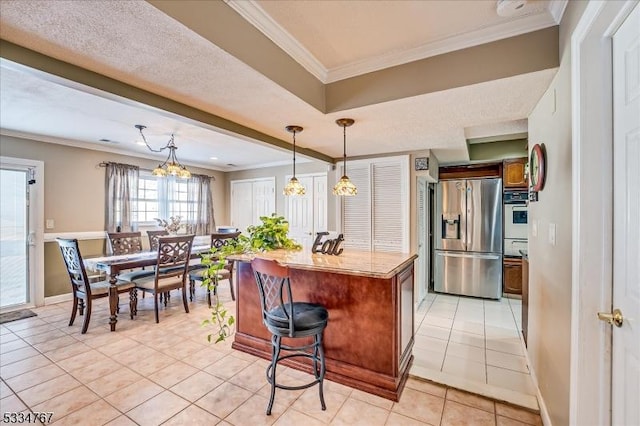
(285, 318)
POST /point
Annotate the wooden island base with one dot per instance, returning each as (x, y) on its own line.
(369, 339)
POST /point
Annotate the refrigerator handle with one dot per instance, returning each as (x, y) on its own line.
(468, 255)
(468, 207)
(463, 204)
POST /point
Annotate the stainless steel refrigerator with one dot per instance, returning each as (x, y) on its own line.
(468, 249)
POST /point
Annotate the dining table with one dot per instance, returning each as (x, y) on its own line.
(114, 265)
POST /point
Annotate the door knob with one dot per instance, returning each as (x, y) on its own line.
(614, 318)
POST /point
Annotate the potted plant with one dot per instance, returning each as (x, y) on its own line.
(271, 234)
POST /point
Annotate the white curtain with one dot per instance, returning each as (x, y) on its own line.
(121, 193)
(200, 217)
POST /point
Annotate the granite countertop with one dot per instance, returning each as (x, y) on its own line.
(524, 253)
(350, 262)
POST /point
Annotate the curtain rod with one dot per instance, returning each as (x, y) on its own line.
(106, 163)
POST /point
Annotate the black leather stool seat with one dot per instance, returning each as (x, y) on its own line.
(306, 316)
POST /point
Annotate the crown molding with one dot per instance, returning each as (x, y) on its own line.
(523, 25)
(557, 8)
(256, 16)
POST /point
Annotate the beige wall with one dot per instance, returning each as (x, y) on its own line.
(74, 191)
(549, 340)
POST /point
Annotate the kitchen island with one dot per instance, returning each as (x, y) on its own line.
(369, 295)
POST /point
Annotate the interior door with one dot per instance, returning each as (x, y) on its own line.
(242, 214)
(300, 212)
(626, 226)
(307, 214)
(423, 242)
(264, 198)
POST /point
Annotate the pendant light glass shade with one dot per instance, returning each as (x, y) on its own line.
(294, 187)
(345, 187)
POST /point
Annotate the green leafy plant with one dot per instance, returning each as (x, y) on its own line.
(272, 234)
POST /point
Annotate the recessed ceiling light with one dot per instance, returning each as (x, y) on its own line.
(140, 143)
(213, 158)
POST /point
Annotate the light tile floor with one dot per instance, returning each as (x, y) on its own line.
(167, 373)
(475, 345)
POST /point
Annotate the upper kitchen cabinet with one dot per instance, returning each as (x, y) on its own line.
(514, 173)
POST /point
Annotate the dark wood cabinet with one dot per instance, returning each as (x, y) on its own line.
(513, 173)
(512, 276)
(525, 297)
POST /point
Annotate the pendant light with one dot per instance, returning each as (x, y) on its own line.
(294, 187)
(171, 166)
(345, 187)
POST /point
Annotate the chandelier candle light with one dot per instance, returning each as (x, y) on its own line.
(345, 187)
(294, 187)
(171, 165)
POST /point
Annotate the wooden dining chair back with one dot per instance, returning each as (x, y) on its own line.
(153, 238)
(218, 240)
(125, 242)
(82, 289)
(171, 269)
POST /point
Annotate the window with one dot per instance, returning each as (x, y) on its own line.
(163, 198)
(146, 206)
(136, 198)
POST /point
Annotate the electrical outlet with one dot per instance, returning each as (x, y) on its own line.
(552, 234)
(49, 224)
(534, 228)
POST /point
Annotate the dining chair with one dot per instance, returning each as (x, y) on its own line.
(218, 240)
(122, 243)
(84, 291)
(171, 270)
(153, 238)
(125, 242)
(284, 317)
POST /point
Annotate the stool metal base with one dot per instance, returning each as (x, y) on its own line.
(319, 366)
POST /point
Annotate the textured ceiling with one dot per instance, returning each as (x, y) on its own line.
(134, 42)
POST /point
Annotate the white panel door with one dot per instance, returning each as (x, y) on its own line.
(264, 198)
(320, 203)
(307, 214)
(300, 211)
(626, 222)
(242, 214)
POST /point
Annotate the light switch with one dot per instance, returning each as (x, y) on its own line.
(50, 224)
(552, 234)
(534, 228)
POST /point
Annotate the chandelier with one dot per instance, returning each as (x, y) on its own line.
(294, 187)
(171, 166)
(345, 187)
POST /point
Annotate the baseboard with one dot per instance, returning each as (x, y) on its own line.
(52, 300)
(544, 412)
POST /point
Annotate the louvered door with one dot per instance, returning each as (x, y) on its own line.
(388, 227)
(356, 214)
(377, 219)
